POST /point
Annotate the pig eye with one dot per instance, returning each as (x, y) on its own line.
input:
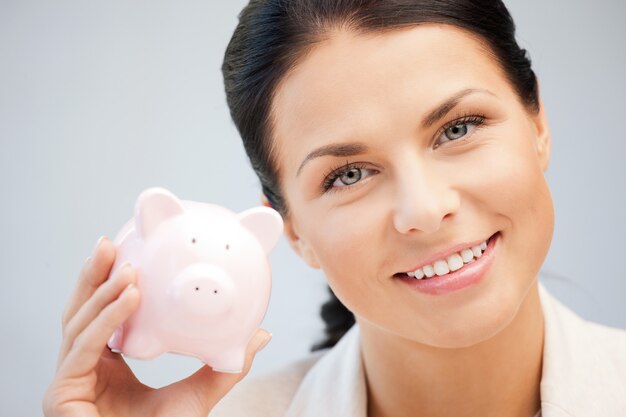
(227, 247)
(193, 240)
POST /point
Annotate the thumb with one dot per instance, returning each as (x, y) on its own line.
(210, 386)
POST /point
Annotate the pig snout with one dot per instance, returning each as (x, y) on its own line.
(203, 290)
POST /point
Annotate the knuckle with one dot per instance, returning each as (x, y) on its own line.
(243, 373)
(65, 318)
(68, 330)
(79, 342)
(91, 278)
(111, 316)
(246, 369)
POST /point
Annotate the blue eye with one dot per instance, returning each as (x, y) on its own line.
(460, 128)
(456, 132)
(345, 176)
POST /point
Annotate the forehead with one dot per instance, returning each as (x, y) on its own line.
(351, 81)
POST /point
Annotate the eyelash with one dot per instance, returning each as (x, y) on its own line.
(337, 171)
(474, 119)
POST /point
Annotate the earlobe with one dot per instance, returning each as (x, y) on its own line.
(301, 247)
(265, 202)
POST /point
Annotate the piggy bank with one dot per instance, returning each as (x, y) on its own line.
(203, 275)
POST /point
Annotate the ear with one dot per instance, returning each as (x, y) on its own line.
(542, 132)
(264, 223)
(300, 246)
(154, 206)
(265, 201)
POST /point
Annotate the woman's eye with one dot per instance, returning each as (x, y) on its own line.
(456, 132)
(349, 177)
(460, 129)
(346, 177)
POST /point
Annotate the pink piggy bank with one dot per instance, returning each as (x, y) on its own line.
(203, 274)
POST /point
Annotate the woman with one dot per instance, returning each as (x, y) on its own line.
(405, 145)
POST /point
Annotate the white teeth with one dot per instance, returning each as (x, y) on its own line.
(441, 267)
(467, 255)
(429, 271)
(455, 262)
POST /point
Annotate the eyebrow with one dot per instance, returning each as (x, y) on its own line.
(445, 107)
(357, 148)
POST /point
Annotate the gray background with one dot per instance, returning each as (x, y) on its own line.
(100, 100)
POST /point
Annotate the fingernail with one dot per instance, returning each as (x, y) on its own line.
(264, 343)
(95, 248)
(126, 267)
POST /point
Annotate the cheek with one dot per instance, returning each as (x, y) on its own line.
(503, 174)
(522, 191)
(510, 185)
(348, 244)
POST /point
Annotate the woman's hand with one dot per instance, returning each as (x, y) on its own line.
(92, 381)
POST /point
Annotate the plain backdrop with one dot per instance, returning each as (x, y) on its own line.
(100, 100)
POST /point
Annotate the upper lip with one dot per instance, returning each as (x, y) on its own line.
(445, 253)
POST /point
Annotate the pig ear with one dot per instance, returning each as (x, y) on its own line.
(264, 223)
(154, 206)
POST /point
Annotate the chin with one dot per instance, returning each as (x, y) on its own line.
(475, 324)
(472, 334)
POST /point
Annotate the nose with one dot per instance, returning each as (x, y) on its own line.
(424, 198)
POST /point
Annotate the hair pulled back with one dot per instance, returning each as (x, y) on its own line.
(272, 36)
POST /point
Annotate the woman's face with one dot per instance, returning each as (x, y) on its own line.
(422, 179)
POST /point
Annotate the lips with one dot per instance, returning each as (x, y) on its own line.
(448, 261)
(470, 274)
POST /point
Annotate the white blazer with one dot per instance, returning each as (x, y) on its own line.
(584, 375)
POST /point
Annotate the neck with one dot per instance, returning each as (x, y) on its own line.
(496, 377)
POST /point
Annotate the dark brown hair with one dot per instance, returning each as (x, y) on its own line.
(273, 35)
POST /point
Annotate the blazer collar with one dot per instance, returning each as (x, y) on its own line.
(577, 376)
(335, 385)
(572, 381)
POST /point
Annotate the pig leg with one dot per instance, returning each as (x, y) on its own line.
(231, 361)
(142, 345)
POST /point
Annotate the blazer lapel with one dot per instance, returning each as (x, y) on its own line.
(577, 378)
(335, 385)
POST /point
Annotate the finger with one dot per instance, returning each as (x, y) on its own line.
(88, 345)
(208, 386)
(104, 295)
(93, 273)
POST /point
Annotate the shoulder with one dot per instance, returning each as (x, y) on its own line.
(607, 343)
(584, 364)
(268, 394)
(611, 345)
